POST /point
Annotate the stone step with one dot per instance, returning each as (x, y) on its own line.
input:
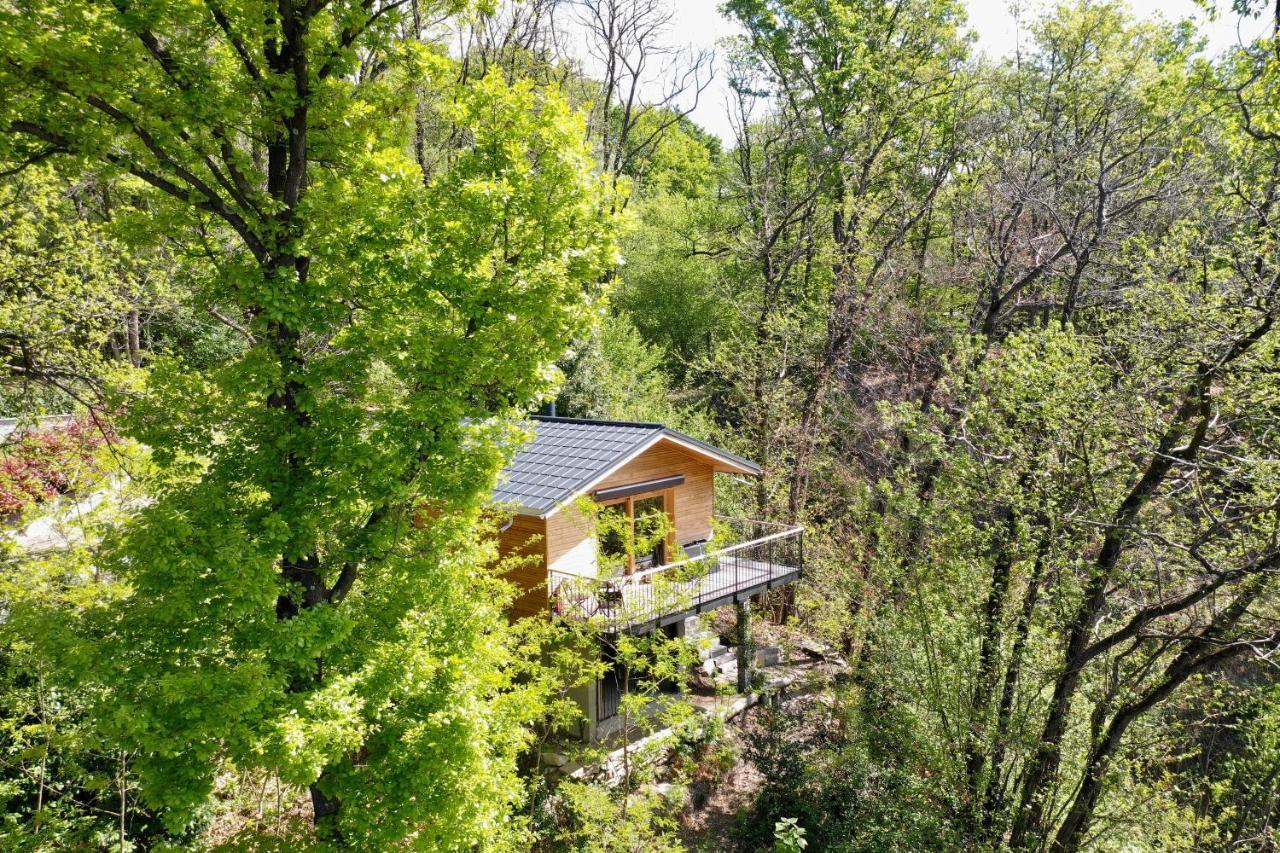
(722, 665)
(707, 642)
(714, 649)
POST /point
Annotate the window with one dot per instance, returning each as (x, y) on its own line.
(633, 524)
(650, 521)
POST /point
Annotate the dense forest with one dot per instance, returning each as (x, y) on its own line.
(281, 281)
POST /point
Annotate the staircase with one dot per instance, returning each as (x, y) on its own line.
(717, 663)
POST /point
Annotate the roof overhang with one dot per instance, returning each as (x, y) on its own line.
(723, 461)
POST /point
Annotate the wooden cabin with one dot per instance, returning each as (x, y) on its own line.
(631, 470)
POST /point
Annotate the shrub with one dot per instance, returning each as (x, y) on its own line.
(848, 786)
(42, 465)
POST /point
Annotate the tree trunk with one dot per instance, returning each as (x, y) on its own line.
(994, 799)
(984, 683)
(133, 337)
(744, 646)
(325, 813)
(1211, 646)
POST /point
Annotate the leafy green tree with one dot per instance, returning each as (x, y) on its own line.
(1054, 570)
(878, 90)
(1231, 768)
(63, 784)
(91, 293)
(668, 288)
(1047, 636)
(618, 375)
(69, 291)
(591, 819)
(304, 592)
(844, 784)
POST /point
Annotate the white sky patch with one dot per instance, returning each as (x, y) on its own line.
(698, 23)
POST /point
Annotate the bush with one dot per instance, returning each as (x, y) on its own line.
(846, 786)
(45, 464)
(596, 819)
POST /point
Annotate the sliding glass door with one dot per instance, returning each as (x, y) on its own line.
(633, 532)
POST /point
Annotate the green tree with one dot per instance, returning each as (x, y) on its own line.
(877, 90)
(617, 375)
(70, 291)
(304, 591)
(91, 294)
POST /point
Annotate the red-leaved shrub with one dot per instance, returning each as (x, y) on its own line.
(41, 465)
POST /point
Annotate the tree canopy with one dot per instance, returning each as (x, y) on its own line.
(1001, 334)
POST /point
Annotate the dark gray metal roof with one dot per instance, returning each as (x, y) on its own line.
(567, 454)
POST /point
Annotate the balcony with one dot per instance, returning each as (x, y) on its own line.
(761, 555)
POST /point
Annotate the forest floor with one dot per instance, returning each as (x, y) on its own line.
(711, 827)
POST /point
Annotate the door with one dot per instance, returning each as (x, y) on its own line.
(650, 522)
(632, 532)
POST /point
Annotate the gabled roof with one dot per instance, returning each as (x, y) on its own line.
(568, 456)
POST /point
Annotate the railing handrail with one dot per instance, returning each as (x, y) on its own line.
(639, 577)
(628, 601)
(719, 552)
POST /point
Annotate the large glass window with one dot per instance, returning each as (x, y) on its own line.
(632, 533)
(650, 520)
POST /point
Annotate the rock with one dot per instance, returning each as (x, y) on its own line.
(817, 650)
(768, 656)
(555, 759)
(664, 789)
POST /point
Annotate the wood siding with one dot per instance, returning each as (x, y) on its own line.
(526, 537)
(695, 497)
(566, 531)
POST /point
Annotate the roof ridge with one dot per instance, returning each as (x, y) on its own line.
(598, 422)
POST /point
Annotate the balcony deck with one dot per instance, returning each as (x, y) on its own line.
(760, 556)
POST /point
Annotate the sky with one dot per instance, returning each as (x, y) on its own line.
(699, 23)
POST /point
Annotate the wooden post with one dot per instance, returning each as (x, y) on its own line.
(630, 535)
(669, 503)
(744, 646)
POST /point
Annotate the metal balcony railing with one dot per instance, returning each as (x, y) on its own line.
(750, 557)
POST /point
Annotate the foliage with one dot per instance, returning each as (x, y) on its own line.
(1001, 334)
(617, 375)
(277, 606)
(60, 785)
(646, 667)
(668, 290)
(845, 784)
(64, 785)
(68, 286)
(1226, 774)
(788, 836)
(589, 818)
(92, 293)
(44, 464)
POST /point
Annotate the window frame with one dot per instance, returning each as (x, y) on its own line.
(668, 496)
